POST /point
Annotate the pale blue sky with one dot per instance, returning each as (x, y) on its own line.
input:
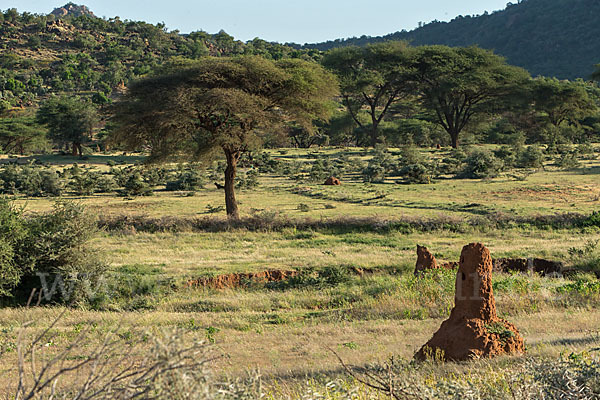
(278, 20)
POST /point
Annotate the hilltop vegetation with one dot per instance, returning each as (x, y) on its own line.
(555, 38)
(44, 54)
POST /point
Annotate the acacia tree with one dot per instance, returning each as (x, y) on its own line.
(21, 134)
(457, 84)
(372, 79)
(69, 120)
(224, 104)
(561, 101)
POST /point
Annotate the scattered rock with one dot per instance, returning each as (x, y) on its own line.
(332, 181)
(473, 329)
(425, 260)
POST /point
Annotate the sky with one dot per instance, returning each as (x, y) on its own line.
(300, 21)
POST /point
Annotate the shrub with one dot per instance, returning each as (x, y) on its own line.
(454, 163)
(568, 161)
(57, 245)
(415, 173)
(410, 156)
(136, 186)
(481, 164)
(31, 180)
(380, 166)
(248, 180)
(83, 182)
(49, 247)
(532, 157)
(303, 207)
(13, 233)
(508, 155)
(188, 179)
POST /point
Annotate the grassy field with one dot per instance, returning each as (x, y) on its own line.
(286, 329)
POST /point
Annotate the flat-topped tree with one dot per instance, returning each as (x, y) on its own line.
(457, 84)
(561, 101)
(221, 104)
(372, 79)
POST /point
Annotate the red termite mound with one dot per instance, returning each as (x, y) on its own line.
(332, 181)
(473, 329)
(425, 260)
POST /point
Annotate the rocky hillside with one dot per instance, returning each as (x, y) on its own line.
(546, 37)
(70, 50)
(72, 10)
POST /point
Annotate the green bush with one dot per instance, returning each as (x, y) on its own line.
(481, 164)
(532, 157)
(508, 155)
(189, 179)
(50, 250)
(454, 163)
(136, 186)
(568, 161)
(13, 233)
(380, 166)
(30, 180)
(248, 180)
(410, 156)
(416, 173)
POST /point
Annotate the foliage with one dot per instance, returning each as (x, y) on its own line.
(481, 164)
(372, 78)
(381, 165)
(415, 173)
(460, 84)
(549, 43)
(69, 120)
(30, 180)
(221, 104)
(186, 179)
(532, 157)
(51, 247)
(21, 134)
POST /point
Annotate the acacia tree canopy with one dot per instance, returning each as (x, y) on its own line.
(372, 79)
(561, 101)
(20, 134)
(458, 83)
(225, 104)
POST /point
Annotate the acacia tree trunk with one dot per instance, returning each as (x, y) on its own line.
(230, 172)
(454, 137)
(77, 149)
(374, 134)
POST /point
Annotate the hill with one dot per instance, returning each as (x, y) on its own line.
(70, 50)
(547, 37)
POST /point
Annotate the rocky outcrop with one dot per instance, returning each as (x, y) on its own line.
(72, 9)
(332, 181)
(473, 329)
